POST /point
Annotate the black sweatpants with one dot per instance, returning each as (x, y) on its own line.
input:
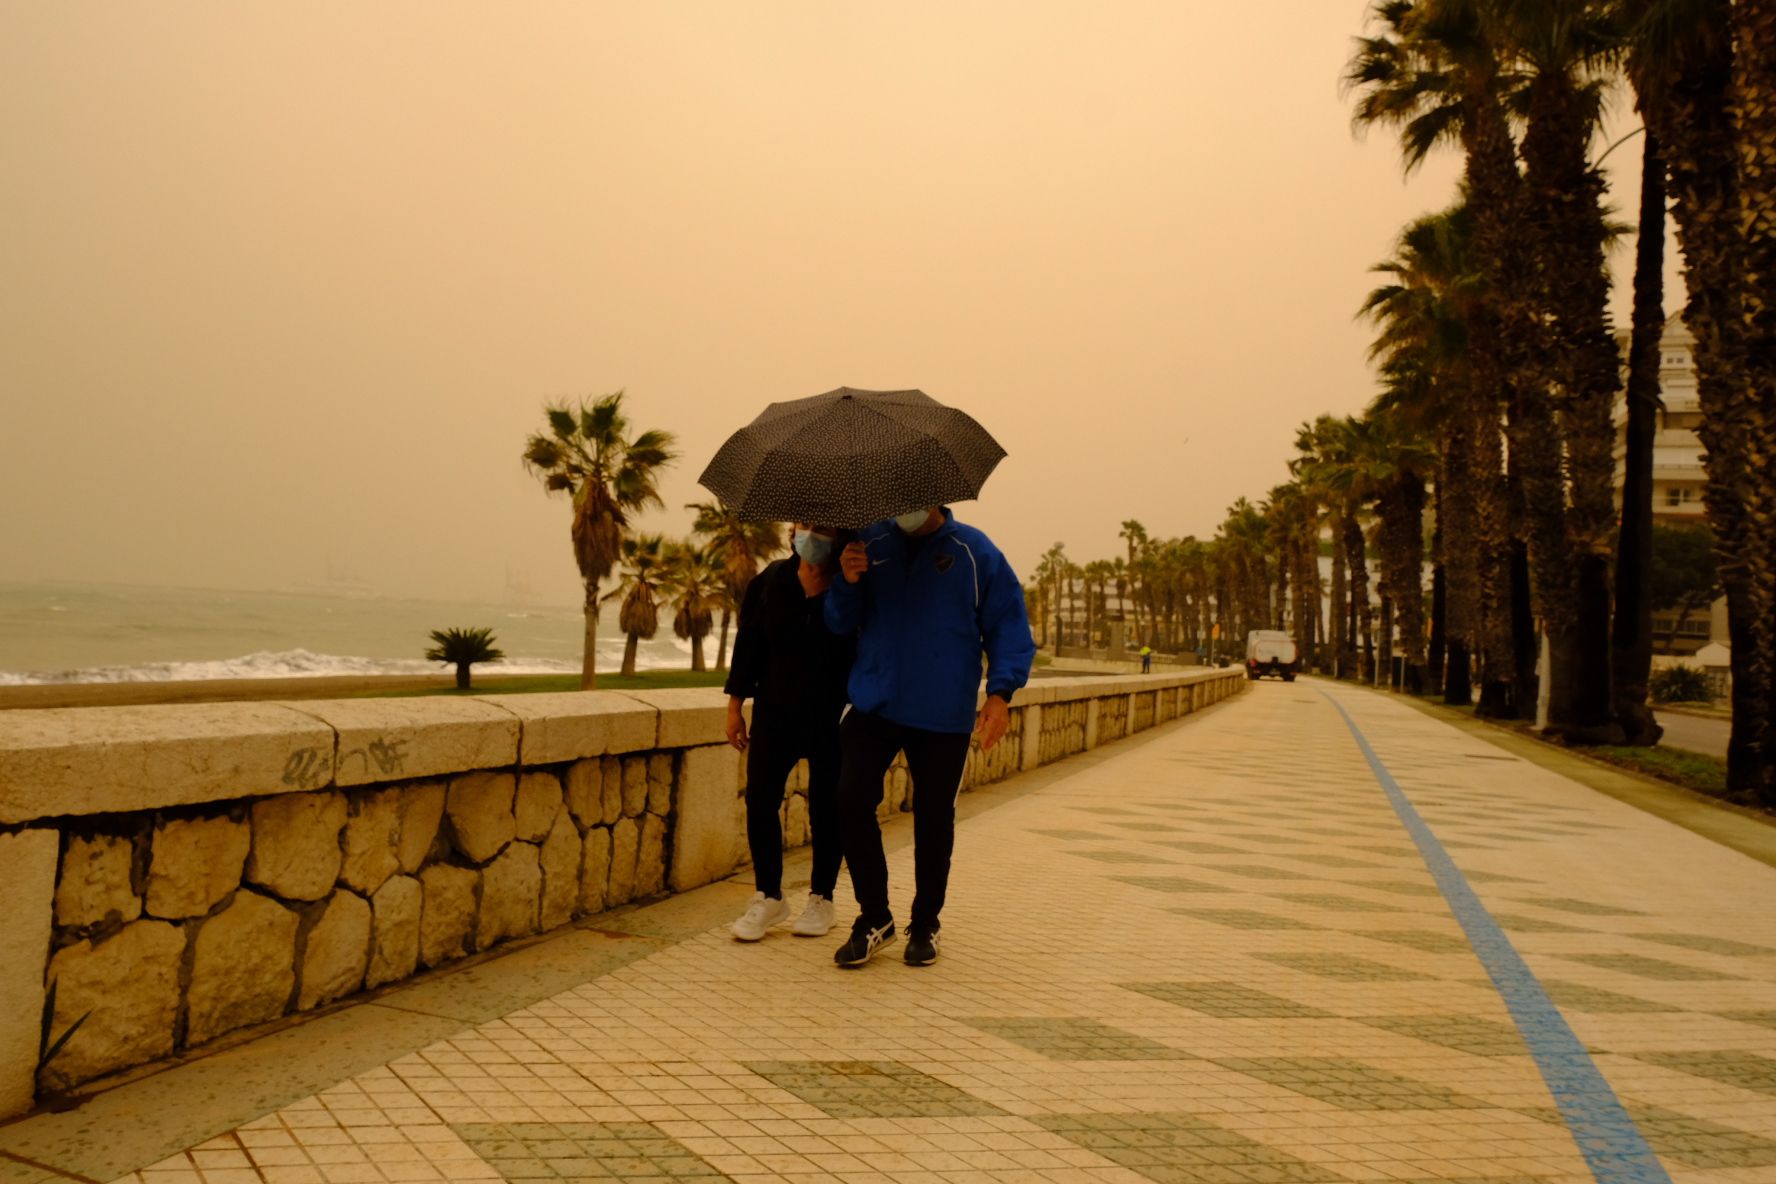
(781, 737)
(936, 761)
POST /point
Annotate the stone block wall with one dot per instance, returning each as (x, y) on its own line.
(180, 873)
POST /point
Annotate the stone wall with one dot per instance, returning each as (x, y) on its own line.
(177, 873)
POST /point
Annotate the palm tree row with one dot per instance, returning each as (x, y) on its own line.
(1496, 348)
(609, 475)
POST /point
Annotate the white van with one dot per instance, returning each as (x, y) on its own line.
(1271, 651)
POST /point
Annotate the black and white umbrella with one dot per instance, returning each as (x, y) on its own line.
(848, 458)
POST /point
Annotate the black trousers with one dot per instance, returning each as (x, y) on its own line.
(781, 737)
(936, 761)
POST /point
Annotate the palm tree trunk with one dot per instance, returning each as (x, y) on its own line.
(629, 648)
(1692, 116)
(1439, 641)
(1754, 77)
(1363, 659)
(589, 657)
(721, 651)
(1567, 433)
(1337, 631)
(462, 676)
(1382, 674)
(1632, 627)
(698, 666)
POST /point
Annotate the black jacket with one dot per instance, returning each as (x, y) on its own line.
(784, 655)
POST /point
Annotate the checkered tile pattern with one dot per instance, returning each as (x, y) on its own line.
(1200, 958)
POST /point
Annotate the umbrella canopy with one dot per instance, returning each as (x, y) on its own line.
(849, 457)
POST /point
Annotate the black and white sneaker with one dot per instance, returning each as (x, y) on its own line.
(921, 947)
(863, 943)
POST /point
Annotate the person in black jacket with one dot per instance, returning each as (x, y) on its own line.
(795, 671)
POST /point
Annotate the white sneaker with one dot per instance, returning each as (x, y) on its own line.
(816, 918)
(759, 916)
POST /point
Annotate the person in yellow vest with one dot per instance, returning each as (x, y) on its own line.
(1146, 659)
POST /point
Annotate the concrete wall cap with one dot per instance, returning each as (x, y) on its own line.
(571, 725)
(401, 739)
(689, 716)
(92, 760)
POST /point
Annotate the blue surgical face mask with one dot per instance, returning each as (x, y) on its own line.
(812, 547)
(912, 521)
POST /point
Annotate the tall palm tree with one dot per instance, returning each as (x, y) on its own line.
(696, 582)
(1397, 461)
(1691, 63)
(741, 547)
(1422, 316)
(1136, 535)
(1337, 470)
(588, 454)
(1631, 630)
(642, 581)
(1754, 77)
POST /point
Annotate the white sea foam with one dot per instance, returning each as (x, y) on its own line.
(306, 664)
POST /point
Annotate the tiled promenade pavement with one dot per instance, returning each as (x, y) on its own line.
(1214, 953)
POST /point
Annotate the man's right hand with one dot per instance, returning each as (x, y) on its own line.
(854, 561)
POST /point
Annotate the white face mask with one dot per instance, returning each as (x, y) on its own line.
(912, 521)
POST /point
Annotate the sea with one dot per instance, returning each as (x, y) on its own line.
(108, 633)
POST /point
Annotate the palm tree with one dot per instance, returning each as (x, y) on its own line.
(696, 582)
(1631, 630)
(1688, 81)
(463, 648)
(1433, 71)
(742, 546)
(1754, 77)
(1397, 461)
(640, 587)
(1422, 344)
(1136, 535)
(588, 455)
(1337, 471)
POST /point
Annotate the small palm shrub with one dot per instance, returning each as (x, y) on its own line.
(462, 648)
(1679, 684)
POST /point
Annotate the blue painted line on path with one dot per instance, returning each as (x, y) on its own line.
(1612, 1145)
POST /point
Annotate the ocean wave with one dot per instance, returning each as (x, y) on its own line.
(306, 664)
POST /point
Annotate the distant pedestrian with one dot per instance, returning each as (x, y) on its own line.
(926, 597)
(1146, 659)
(794, 669)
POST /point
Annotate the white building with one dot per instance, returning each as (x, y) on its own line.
(1678, 472)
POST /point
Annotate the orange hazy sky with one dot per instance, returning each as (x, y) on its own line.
(283, 287)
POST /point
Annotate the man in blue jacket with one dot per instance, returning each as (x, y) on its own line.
(925, 597)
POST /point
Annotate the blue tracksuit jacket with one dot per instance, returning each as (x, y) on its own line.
(923, 615)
